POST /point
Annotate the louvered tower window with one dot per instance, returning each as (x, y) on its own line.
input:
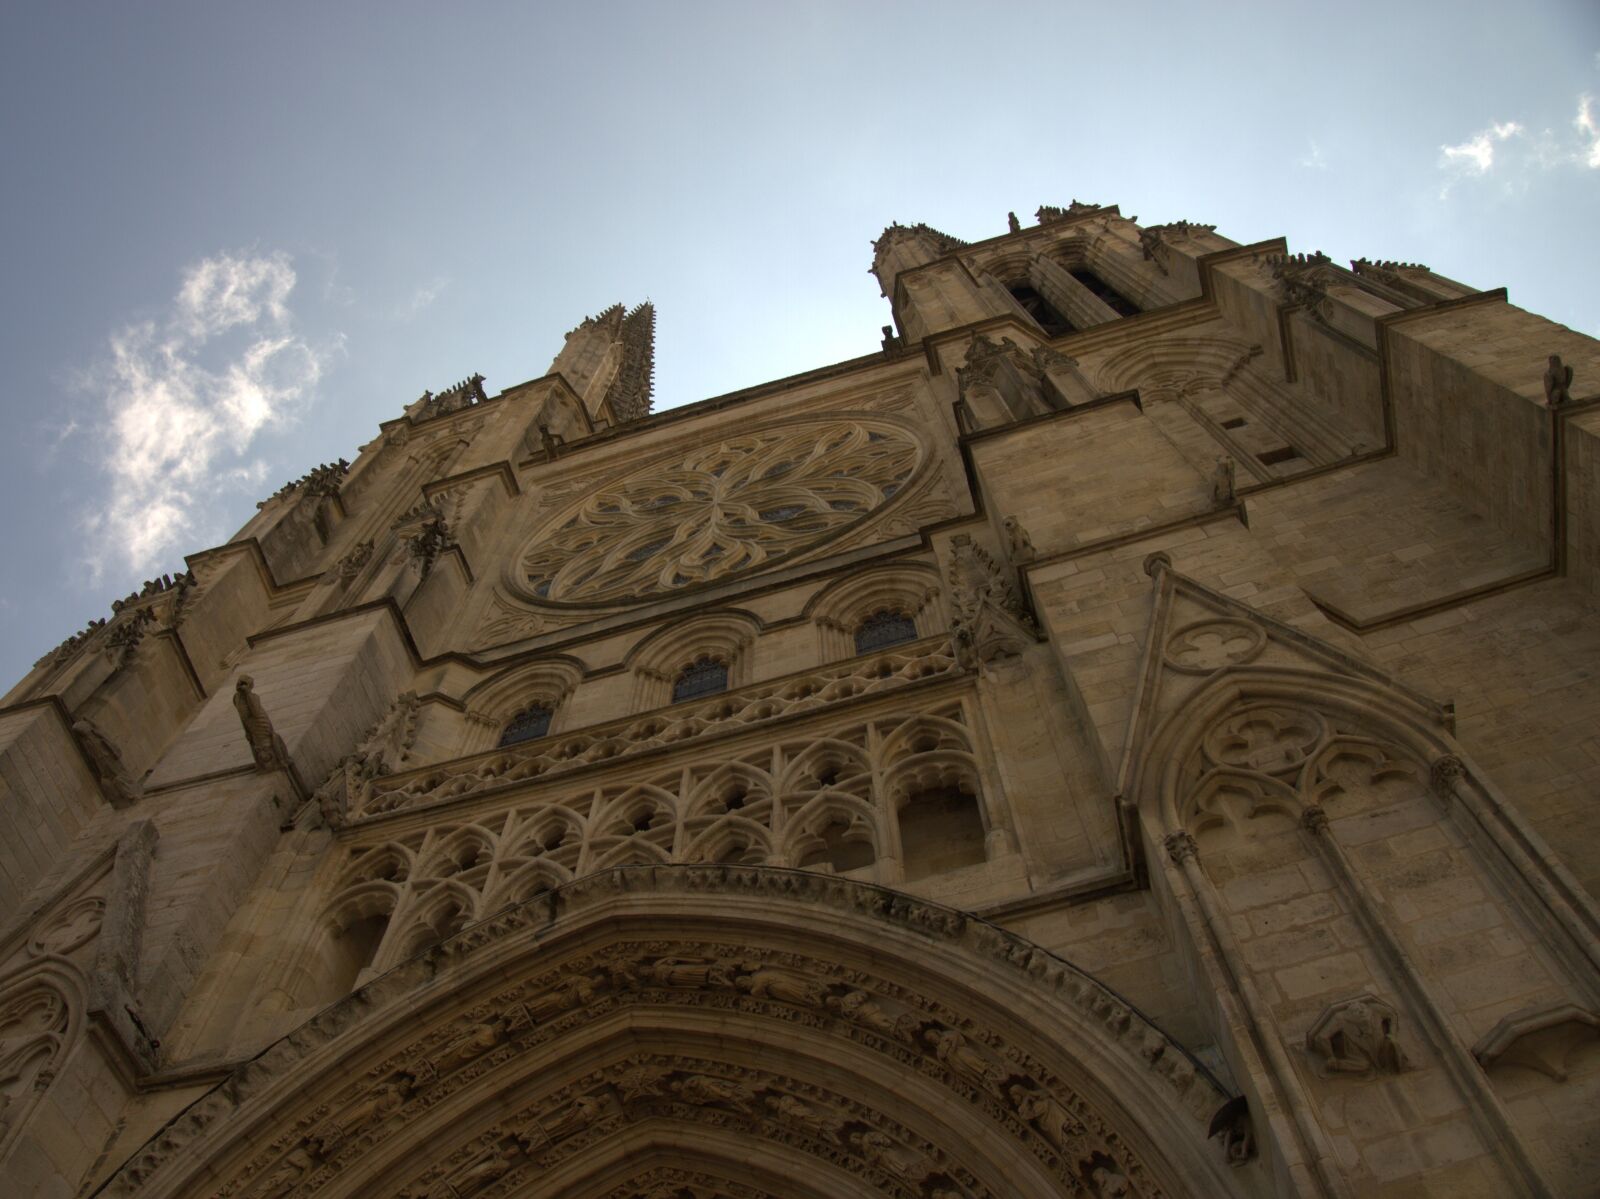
(527, 725)
(704, 676)
(884, 628)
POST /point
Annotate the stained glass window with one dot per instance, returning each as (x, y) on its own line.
(706, 676)
(883, 628)
(527, 725)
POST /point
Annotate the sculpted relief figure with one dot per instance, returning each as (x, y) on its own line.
(860, 1008)
(372, 1108)
(266, 747)
(951, 1048)
(490, 1168)
(789, 1110)
(691, 972)
(1107, 1182)
(767, 983)
(1054, 1122)
(583, 1114)
(476, 1042)
(294, 1166)
(705, 1091)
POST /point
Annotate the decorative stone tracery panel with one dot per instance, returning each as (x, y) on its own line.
(743, 503)
(826, 798)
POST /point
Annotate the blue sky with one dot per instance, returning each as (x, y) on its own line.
(236, 237)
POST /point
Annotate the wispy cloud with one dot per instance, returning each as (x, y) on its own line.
(420, 300)
(1313, 159)
(1508, 150)
(185, 397)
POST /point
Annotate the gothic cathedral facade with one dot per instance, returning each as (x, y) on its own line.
(1133, 735)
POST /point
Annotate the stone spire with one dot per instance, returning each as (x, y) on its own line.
(609, 360)
(901, 247)
(631, 390)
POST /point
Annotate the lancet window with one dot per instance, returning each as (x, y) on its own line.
(703, 676)
(1104, 292)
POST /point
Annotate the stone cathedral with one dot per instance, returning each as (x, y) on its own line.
(1133, 735)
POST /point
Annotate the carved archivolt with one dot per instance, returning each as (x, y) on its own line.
(744, 503)
(743, 1018)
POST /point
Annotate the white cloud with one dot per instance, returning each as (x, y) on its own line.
(1313, 159)
(1476, 154)
(1509, 151)
(184, 399)
(1589, 132)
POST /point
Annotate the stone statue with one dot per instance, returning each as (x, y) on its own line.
(766, 983)
(1357, 1037)
(1222, 483)
(1557, 382)
(1012, 224)
(1021, 544)
(106, 763)
(549, 441)
(266, 747)
(474, 1043)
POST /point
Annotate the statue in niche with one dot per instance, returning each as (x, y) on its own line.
(1357, 1037)
(1223, 491)
(106, 764)
(266, 747)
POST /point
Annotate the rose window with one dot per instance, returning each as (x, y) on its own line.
(732, 506)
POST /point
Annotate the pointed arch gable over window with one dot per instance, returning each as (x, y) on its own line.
(840, 610)
(721, 639)
(512, 696)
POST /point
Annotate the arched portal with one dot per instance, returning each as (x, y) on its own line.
(708, 1031)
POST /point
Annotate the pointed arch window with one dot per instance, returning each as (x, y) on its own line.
(884, 628)
(703, 676)
(529, 724)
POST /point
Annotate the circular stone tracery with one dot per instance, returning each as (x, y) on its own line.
(744, 502)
